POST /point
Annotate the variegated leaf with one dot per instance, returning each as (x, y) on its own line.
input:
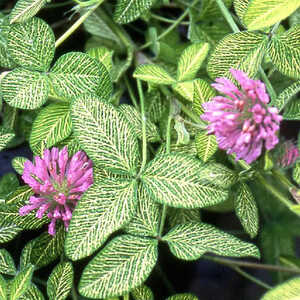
(178, 216)
(103, 55)
(206, 146)
(32, 293)
(6, 136)
(7, 265)
(18, 164)
(52, 125)
(292, 110)
(31, 44)
(3, 287)
(8, 232)
(173, 179)
(25, 89)
(243, 51)
(240, 7)
(106, 207)
(60, 281)
(142, 293)
(113, 144)
(107, 274)
(203, 92)
(183, 297)
(190, 241)
(284, 51)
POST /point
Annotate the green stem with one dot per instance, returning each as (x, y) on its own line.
(131, 93)
(173, 26)
(126, 297)
(282, 178)
(251, 278)
(39, 281)
(228, 17)
(74, 293)
(166, 20)
(231, 262)
(86, 3)
(75, 26)
(144, 137)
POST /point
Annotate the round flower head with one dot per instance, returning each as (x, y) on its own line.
(287, 154)
(241, 119)
(58, 183)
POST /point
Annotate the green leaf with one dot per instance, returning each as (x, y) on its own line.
(203, 92)
(282, 100)
(77, 73)
(184, 296)
(3, 287)
(6, 136)
(33, 293)
(47, 248)
(8, 183)
(178, 216)
(19, 196)
(246, 55)
(190, 241)
(246, 209)
(127, 11)
(104, 208)
(142, 293)
(191, 60)
(60, 281)
(52, 125)
(25, 89)
(72, 143)
(31, 44)
(21, 282)
(8, 232)
(296, 173)
(185, 89)
(173, 179)
(107, 274)
(261, 14)
(284, 51)
(206, 146)
(146, 220)
(113, 144)
(7, 265)
(240, 7)
(292, 110)
(155, 106)
(218, 174)
(103, 55)
(211, 10)
(18, 164)
(154, 74)
(134, 117)
(289, 290)
(25, 9)
(26, 254)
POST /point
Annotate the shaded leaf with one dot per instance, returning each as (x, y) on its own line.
(6, 136)
(3, 287)
(32, 293)
(292, 110)
(113, 144)
(183, 297)
(107, 274)
(7, 265)
(142, 293)
(178, 216)
(103, 55)
(106, 207)
(18, 164)
(190, 241)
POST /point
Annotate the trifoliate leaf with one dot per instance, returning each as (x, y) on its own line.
(8, 232)
(77, 73)
(284, 51)
(18, 164)
(7, 265)
(206, 146)
(25, 9)
(106, 207)
(191, 60)
(127, 11)
(113, 144)
(146, 220)
(246, 209)
(52, 125)
(289, 290)
(103, 55)
(283, 98)
(25, 89)
(183, 297)
(32, 293)
(60, 281)
(47, 248)
(21, 283)
(6, 136)
(107, 274)
(3, 287)
(190, 241)
(154, 74)
(243, 51)
(134, 117)
(31, 44)
(173, 179)
(203, 92)
(142, 293)
(261, 14)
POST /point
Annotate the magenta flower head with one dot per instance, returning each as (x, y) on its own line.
(58, 183)
(241, 119)
(287, 154)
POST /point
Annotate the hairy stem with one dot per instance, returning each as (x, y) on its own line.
(76, 25)
(228, 17)
(144, 137)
